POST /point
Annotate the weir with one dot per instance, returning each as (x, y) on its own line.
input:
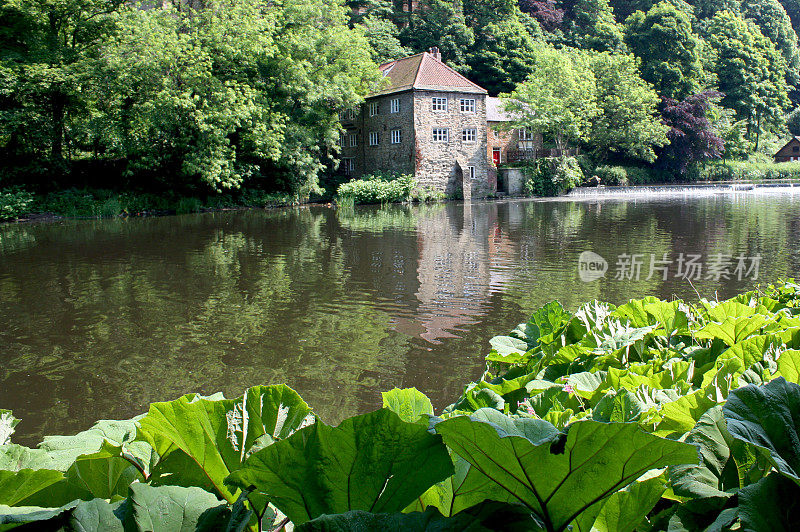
(699, 189)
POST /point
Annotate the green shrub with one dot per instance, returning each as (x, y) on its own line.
(750, 170)
(551, 177)
(14, 202)
(109, 208)
(188, 205)
(260, 198)
(639, 175)
(378, 188)
(612, 175)
(428, 194)
(71, 202)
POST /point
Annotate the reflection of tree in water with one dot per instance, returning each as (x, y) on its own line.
(102, 317)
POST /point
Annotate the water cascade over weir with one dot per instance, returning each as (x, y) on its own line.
(698, 189)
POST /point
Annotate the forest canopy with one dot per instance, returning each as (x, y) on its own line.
(219, 94)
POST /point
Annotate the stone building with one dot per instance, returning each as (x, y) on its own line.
(503, 141)
(427, 120)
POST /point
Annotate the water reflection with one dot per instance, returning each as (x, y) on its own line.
(102, 317)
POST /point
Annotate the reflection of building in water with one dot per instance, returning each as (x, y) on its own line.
(453, 270)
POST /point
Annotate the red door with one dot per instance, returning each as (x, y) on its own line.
(496, 156)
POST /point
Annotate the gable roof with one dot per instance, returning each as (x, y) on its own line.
(793, 139)
(424, 71)
(495, 112)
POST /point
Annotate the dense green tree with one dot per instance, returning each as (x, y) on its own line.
(751, 73)
(503, 54)
(773, 21)
(594, 26)
(46, 51)
(441, 23)
(382, 35)
(706, 9)
(628, 124)
(670, 52)
(793, 122)
(558, 99)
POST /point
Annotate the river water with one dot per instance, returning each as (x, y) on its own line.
(100, 318)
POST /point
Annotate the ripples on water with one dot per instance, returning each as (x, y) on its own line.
(101, 318)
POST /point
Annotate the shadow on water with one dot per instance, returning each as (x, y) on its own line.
(101, 318)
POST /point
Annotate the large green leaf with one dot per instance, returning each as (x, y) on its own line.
(768, 416)
(770, 505)
(15, 457)
(174, 508)
(625, 509)
(561, 476)
(198, 437)
(147, 508)
(789, 365)
(375, 462)
(63, 450)
(104, 474)
(727, 465)
(7, 424)
(410, 404)
(491, 516)
(37, 487)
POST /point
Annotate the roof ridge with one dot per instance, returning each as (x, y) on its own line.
(401, 59)
(419, 68)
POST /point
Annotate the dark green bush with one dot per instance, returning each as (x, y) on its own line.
(14, 202)
(551, 177)
(612, 175)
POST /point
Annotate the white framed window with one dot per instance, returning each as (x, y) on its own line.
(467, 105)
(397, 136)
(342, 138)
(469, 135)
(353, 140)
(525, 134)
(348, 165)
(373, 138)
(394, 105)
(374, 107)
(441, 134)
(439, 104)
(351, 114)
(471, 172)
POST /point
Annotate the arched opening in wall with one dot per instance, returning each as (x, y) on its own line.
(456, 187)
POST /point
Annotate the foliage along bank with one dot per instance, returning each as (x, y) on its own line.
(653, 415)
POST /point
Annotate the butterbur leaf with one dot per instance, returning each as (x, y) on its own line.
(492, 516)
(63, 450)
(559, 477)
(410, 404)
(508, 348)
(463, 489)
(375, 462)
(37, 487)
(199, 438)
(770, 505)
(104, 474)
(15, 457)
(718, 476)
(789, 365)
(7, 424)
(176, 508)
(623, 510)
(768, 416)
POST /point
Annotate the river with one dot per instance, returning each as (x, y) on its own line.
(101, 317)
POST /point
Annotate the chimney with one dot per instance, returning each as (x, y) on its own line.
(434, 51)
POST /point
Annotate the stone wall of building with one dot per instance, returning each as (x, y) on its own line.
(385, 157)
(444, 166)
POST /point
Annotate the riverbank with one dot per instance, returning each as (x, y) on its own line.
(17, 206)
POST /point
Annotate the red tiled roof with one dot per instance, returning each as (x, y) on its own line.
(424, 71)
